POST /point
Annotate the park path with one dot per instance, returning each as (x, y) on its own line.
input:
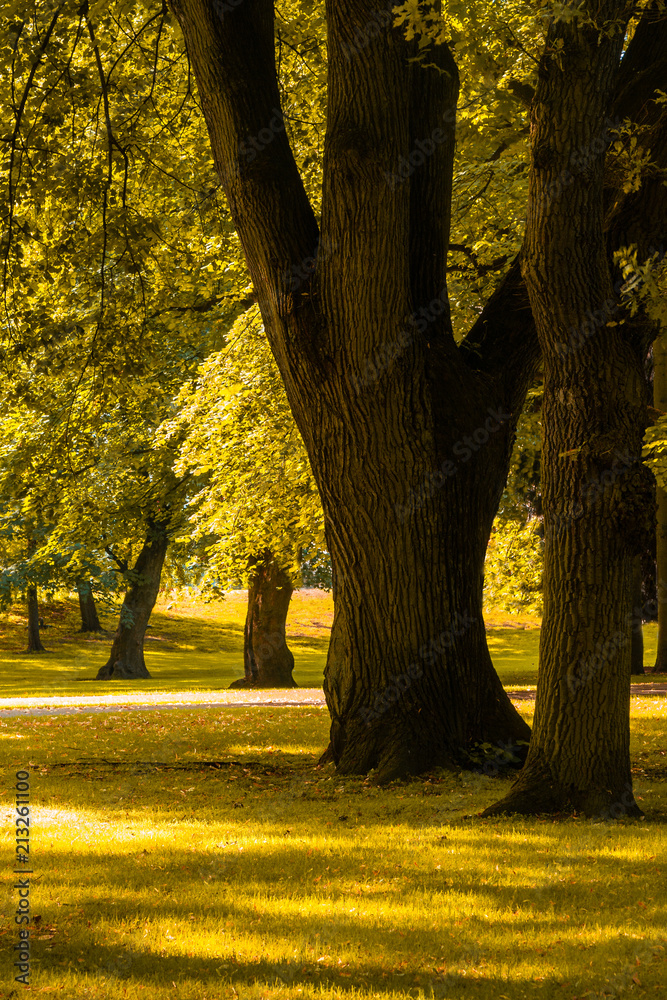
(294, 698)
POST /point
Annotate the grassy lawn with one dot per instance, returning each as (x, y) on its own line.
(199, 647)
(202, 853)
(262, 877)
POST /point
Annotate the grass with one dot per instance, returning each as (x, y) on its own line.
(265, 877)
(196, 647)
(201, 853)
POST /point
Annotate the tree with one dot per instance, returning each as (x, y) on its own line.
(408, 435)
(258, 504)
(90, 621)
(126, 659)
(407, 426)
(84, 256)
(422, 426)
(594, 408)
(35, 644)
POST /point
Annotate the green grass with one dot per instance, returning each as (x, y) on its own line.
(266, 878)
(196, 647)
(201, 853)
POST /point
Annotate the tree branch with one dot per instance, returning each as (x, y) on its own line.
(121, 563)
(231, 48)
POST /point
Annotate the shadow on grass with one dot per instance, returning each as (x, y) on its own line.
(273, 921)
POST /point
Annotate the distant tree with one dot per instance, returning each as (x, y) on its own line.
(259, 504)
(90, 621)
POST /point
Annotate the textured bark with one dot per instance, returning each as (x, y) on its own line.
(90, 621)
(660, 402)
(408, 435)
(594, 487)
(267, 659)
(637, 640)
(126, 659)
(34, 640)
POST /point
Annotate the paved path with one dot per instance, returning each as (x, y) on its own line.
(635, 689)
(295, 698)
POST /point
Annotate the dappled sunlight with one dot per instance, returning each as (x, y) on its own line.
(203, 846)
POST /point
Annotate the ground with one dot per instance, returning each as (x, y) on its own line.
(200, 853)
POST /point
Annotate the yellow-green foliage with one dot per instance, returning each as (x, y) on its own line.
(513, 567)
(266, 877)
(259, 490)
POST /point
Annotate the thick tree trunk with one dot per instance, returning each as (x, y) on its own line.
(34, 640)
(357, 319)
(409, 680)
(126, 659)
(408, 435)
(660, 402)
(637, 648)
(594, 489)
(267, 660)
(89, 618)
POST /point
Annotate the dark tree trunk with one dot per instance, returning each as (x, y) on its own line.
(126, 659)
(594, 485)
(89, 619)
(637, 649)
(660, 402)
(34, 641)
(267, 660)
(408, 434)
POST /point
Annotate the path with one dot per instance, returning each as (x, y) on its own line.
(294, 698)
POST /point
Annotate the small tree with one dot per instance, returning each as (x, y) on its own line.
(260, 501)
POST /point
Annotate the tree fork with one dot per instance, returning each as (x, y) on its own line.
(382, 395)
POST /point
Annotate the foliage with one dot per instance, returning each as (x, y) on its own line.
(238, 432)
(513, 567)
(514, 558)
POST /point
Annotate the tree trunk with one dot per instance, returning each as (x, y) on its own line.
(594, 487)
(637, 649)
(267, 660)
(408, 435)
(660, 403)
(126, 659)
(34, 640)
(89, 618)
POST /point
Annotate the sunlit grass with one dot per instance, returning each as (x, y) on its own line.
(268, 878)
(199, 647)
